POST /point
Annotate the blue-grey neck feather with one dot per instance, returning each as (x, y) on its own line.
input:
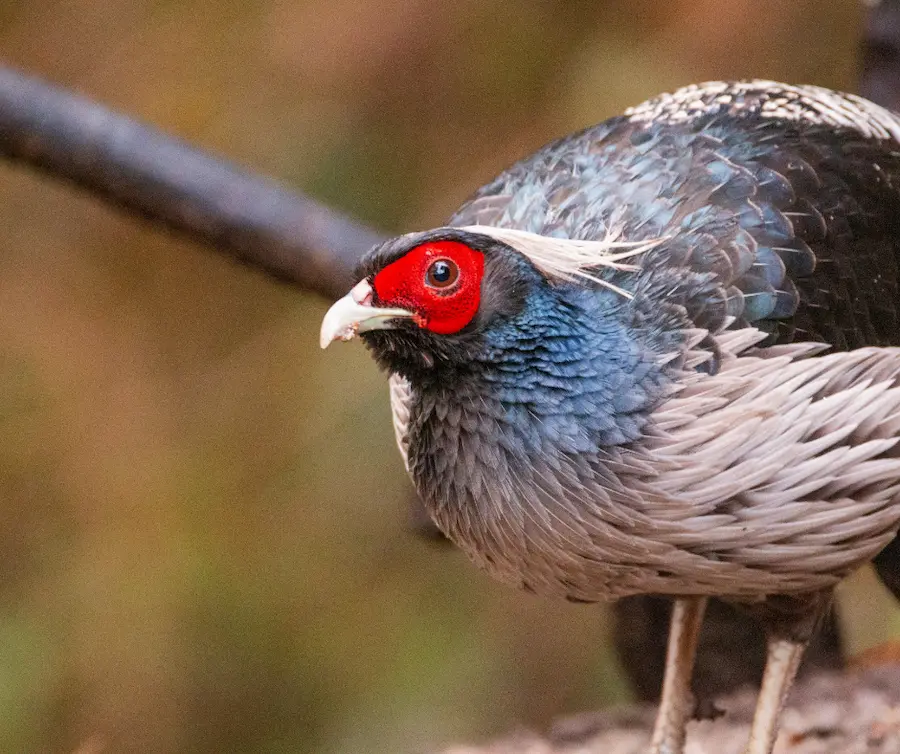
(564, 379)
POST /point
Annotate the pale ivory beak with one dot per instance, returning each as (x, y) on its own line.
(355, 314)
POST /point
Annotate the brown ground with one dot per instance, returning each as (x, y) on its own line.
(854, 713)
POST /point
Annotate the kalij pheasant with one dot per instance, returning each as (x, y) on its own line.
(655, 358)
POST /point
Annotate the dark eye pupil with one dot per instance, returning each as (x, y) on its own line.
(442, 273)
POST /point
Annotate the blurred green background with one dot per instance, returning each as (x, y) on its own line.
(204, 542)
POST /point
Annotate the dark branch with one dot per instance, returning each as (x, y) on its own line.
(880, 82)
(259, 221)
(880, 76)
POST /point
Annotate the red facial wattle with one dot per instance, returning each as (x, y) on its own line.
(440, 282)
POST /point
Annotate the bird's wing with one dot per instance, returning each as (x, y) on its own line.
(777, 206)
(836, 417)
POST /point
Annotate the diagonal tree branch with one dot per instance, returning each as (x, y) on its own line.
(880, 71)
(259, 221)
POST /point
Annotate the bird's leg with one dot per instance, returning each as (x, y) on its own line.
(783, 659)
(677, 702)
(790, 622)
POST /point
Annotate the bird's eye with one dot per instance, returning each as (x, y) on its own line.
(440, 281)
(442, 273)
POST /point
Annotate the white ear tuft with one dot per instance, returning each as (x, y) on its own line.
(567, 258)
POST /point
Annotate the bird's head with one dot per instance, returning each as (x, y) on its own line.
(447, 297)
(428, 299)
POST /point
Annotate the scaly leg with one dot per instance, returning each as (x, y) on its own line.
(782, 661)
(677, 703)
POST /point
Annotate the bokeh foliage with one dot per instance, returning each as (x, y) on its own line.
(204, 544)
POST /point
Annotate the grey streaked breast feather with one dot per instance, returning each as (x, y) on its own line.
(777, 475)
(400, 399)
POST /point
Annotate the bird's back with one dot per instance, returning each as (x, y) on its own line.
(788, 197)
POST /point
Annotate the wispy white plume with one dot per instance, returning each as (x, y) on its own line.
(567, 258)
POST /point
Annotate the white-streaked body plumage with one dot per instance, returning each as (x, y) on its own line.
(779, 474)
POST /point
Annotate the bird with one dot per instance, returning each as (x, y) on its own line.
(661, 356)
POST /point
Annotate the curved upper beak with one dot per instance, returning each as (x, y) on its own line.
(355, 314)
